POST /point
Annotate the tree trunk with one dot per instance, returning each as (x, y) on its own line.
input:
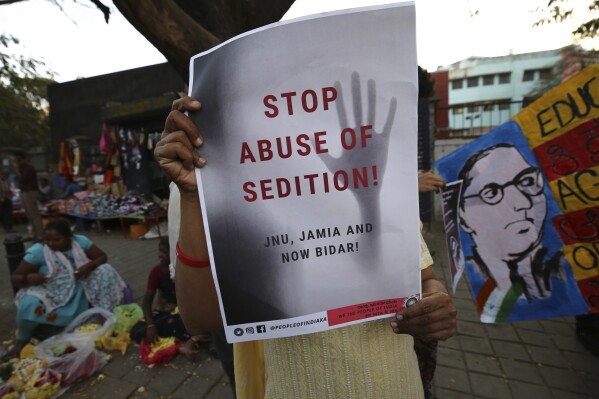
(182, 28)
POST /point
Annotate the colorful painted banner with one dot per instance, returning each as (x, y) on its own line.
(529, 207)
(309, 195)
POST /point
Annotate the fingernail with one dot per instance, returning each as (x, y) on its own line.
(394, 324)
(399, 317)
(195, 103)
(199, 141)
(201, 162)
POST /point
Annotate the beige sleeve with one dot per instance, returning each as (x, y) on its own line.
(425, 256)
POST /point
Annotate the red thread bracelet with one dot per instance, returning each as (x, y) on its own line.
(189, 261)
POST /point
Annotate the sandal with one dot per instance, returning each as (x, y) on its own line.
(190, 349)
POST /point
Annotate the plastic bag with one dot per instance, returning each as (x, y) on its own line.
(70, 356)
(72, 353)
(90, 325)
(160, 356)
(127, 316)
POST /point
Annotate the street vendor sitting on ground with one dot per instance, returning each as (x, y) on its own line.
(59, 279)
(162, 320)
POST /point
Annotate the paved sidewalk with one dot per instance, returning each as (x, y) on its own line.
(538, 359)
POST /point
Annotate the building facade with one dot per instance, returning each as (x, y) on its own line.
(486, 92)
(480, 93)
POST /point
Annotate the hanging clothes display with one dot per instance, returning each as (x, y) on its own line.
(105, 140)
(134, 161)
(64, 166)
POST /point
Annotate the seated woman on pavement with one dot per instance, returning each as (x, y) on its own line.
(161, 320)
(374, 359)
(59, 279)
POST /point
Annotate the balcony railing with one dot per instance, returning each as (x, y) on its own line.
(473, 119)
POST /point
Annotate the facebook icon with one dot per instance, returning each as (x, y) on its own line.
(261, 328)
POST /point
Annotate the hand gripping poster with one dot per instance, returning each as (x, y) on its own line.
(309, 196)
(529, 207)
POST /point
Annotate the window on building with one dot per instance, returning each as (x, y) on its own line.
(488, 107)
(458, 133)
(458, 110)
(457, 84)
(473, 82)
(472, 108)
(528, 76)
(488, 80)
(544, 73)
(504, 105)
(504, 78)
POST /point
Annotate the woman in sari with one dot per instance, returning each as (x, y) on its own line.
(59, 279)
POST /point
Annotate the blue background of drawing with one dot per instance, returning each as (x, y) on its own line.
(566, 299)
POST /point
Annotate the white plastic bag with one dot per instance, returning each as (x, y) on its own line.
(70, 356)
(72, 353)
(103, 318)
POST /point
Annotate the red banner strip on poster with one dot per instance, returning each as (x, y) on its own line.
(572, 152)
(589, 288)
(366, 310)
(578, 226)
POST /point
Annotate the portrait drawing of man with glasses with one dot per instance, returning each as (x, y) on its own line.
(503, 208)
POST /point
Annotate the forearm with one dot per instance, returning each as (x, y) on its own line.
(19, 280)
(97, 256)
(431, 283)
(26, 275)
(196, 293)
(23, 280)
(99, 260)
(146, 306)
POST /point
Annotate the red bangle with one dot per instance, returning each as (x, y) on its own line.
(189, 261)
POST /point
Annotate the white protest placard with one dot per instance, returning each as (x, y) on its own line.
(309, 196)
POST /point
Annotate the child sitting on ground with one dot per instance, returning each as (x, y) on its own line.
(160, 321)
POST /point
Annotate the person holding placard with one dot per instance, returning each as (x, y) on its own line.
(362, 360)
